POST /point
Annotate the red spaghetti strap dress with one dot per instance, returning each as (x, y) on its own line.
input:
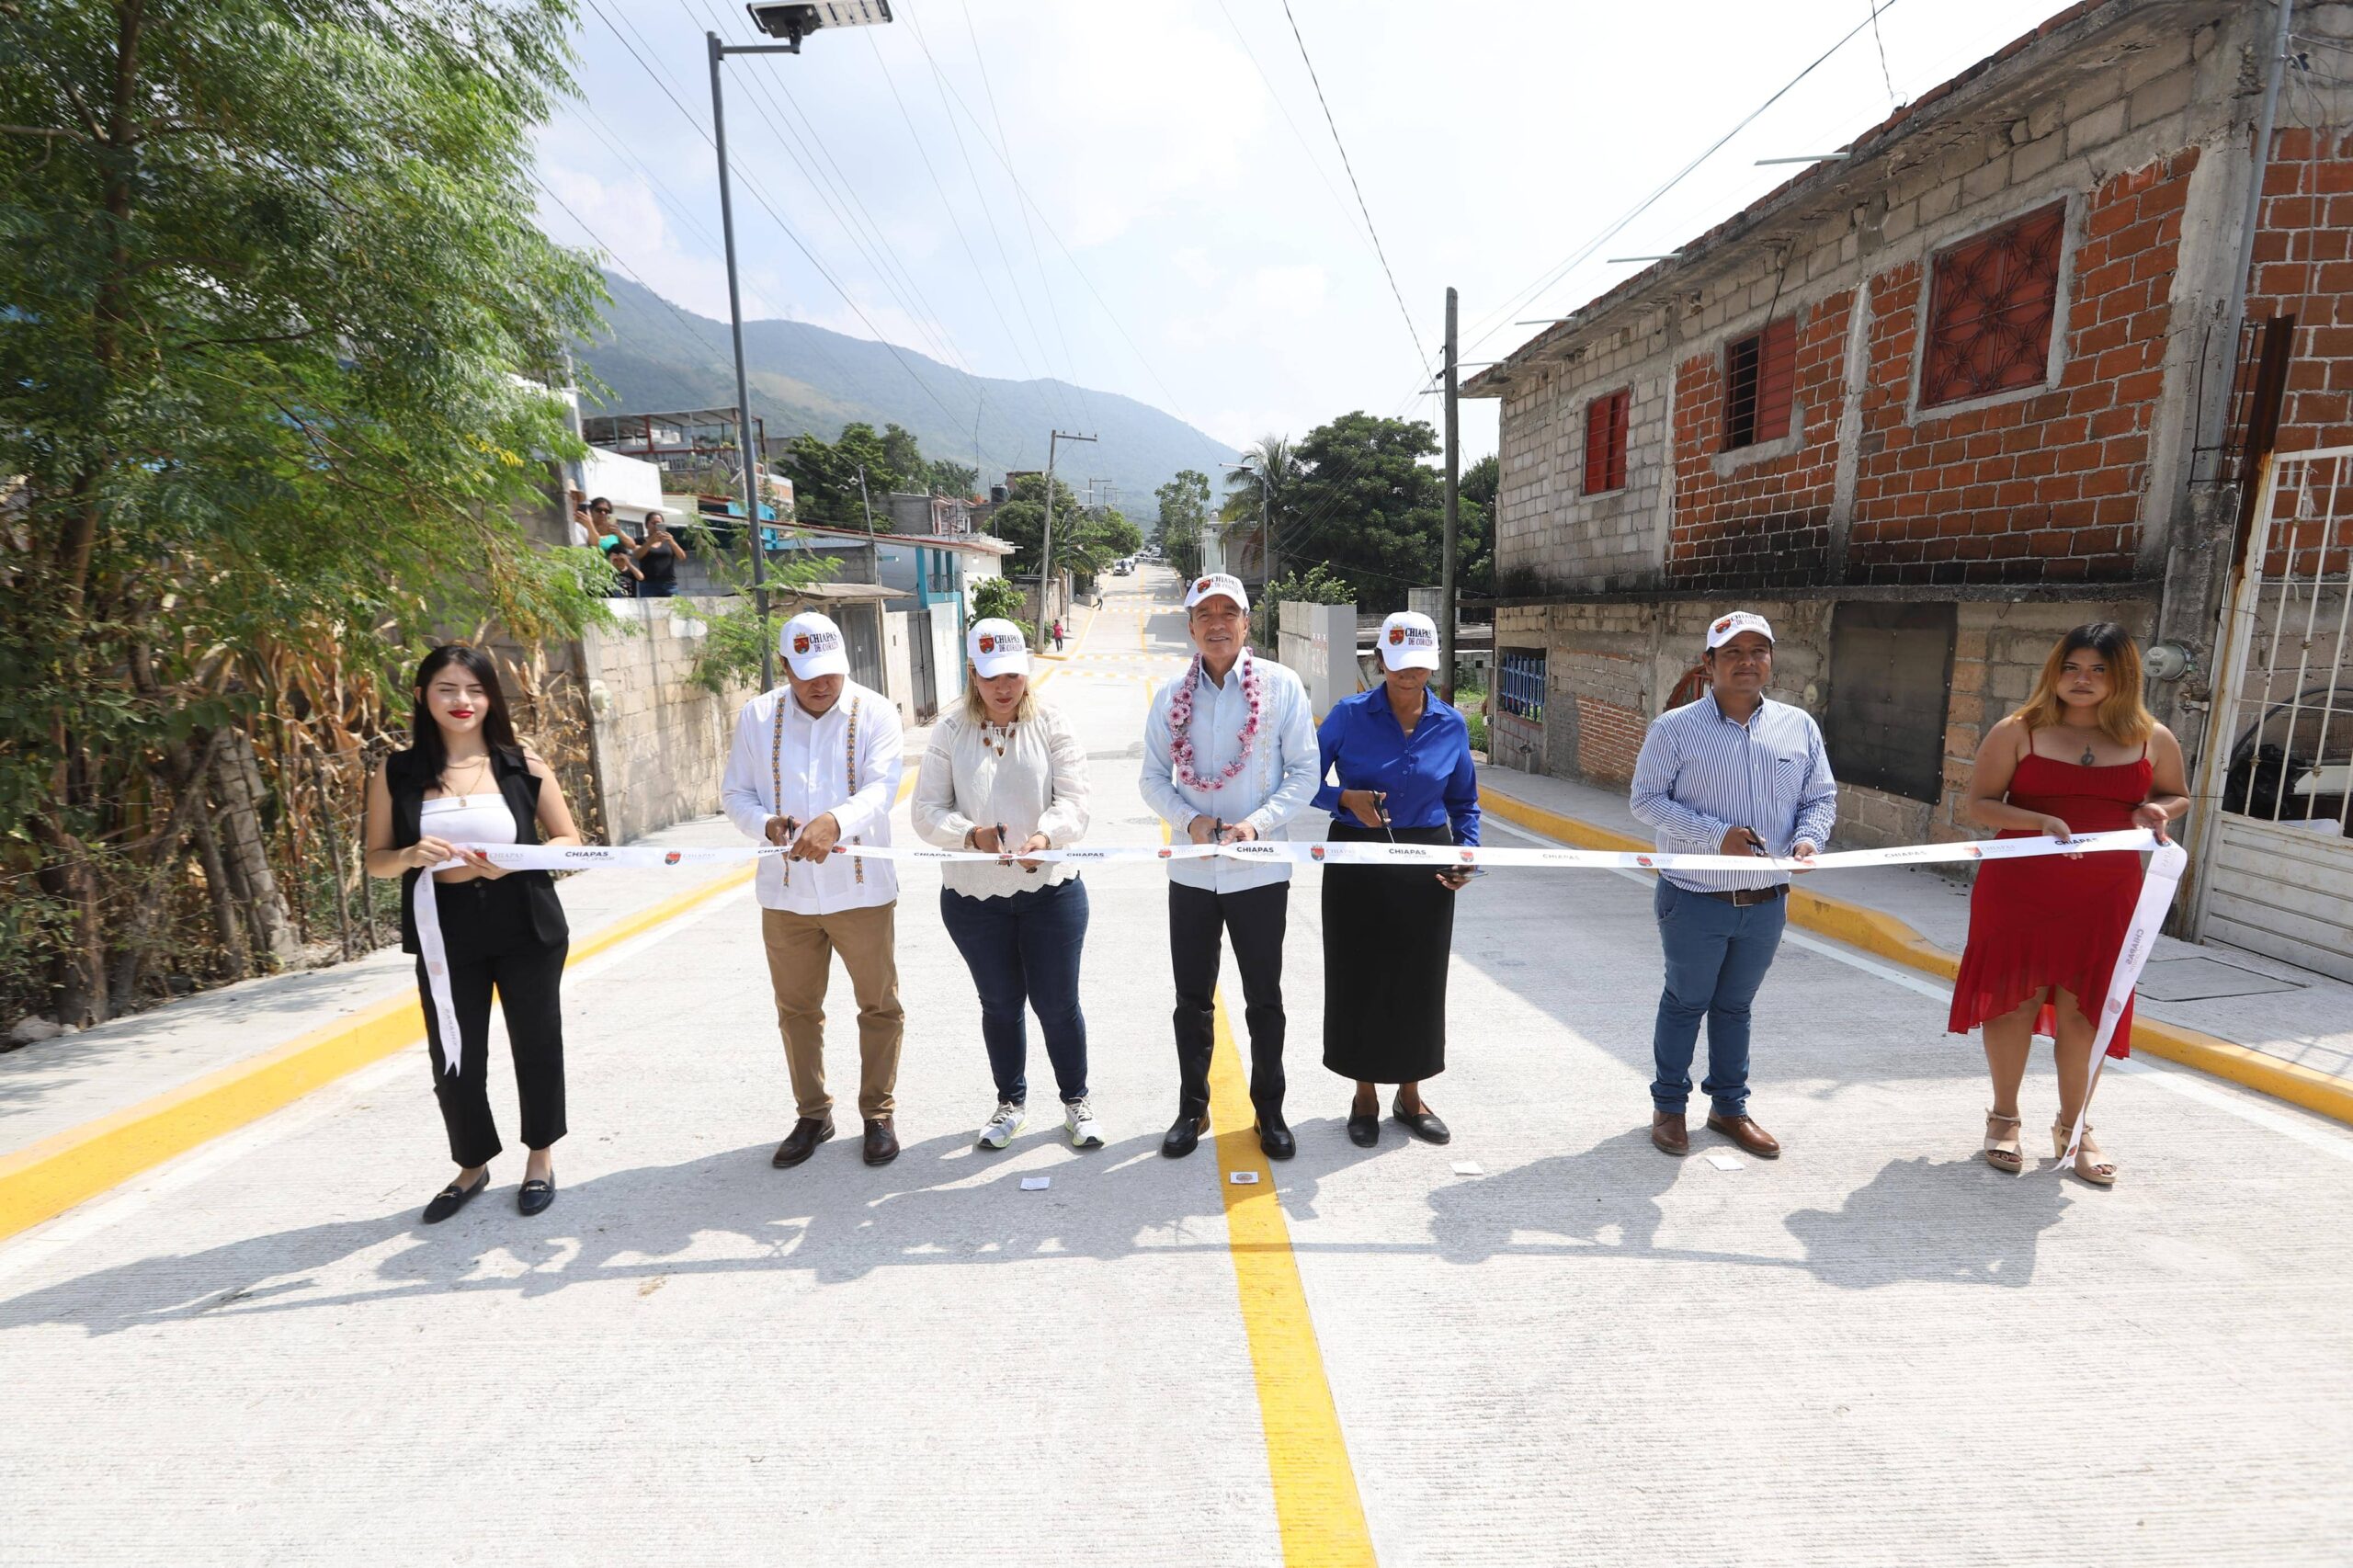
(2047, 920)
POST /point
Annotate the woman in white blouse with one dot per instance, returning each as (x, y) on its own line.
(1005, 774)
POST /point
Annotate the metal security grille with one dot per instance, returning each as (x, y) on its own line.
(2276, 776)
(1890, 668)
(1990, 308)
(1760, 382)
(1519, 710)
(1605, 441)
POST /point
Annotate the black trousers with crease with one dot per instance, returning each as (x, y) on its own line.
(1255, 918)
(487, 931)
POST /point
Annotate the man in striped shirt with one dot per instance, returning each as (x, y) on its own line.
(1734, 773)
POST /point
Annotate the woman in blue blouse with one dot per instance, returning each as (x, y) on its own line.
(1402, 761)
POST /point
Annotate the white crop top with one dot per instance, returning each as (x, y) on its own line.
(468, 819)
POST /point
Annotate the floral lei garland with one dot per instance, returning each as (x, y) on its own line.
(1180, 724)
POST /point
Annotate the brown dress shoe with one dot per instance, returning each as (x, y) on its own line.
(802, 1140)
(1669, 1133)
(1744, 1130)
(882, 1144)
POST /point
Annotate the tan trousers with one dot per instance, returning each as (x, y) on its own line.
(800, 950)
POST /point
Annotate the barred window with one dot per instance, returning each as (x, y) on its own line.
(1760, 379)
(1605, 441)
(1990, 306)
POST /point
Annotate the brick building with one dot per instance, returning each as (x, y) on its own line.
(1932, 403)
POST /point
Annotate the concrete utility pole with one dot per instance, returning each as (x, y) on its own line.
(1046, 543)
(1453, 510)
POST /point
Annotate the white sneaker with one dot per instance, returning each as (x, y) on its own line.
(1078, 1120)
(1002, 1125)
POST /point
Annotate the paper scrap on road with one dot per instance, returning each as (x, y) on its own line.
(1725, 1162)
(1035, 1184)
(1244, 1178)
(1468, 1167)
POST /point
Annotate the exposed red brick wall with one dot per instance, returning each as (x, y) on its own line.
(1769, 522)
(2048, 487)
(2304, 266)
(1609, 737)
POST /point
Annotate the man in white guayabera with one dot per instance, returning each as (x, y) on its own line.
(816, 764)
(1229, 755)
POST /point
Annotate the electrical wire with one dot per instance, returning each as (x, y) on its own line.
(1884, 74)
(1284, 108)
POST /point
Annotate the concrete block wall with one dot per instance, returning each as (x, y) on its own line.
(659, 740)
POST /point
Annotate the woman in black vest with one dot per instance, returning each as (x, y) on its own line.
(465, 780)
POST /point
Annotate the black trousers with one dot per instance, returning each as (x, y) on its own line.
(1255, 918)
(487, 931)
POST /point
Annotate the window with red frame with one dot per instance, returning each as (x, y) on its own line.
(1991, 301)
(1760, 383)
(1605, 441)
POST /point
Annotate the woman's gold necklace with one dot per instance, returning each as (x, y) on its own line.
(481, 763)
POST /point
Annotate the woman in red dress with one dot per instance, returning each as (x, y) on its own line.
(2082, 756)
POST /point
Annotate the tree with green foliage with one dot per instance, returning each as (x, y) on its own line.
(269, 291)
(1319, 584)
(1183, 518)
(1369, 504)
(996, 598)
(1086, 539)
(945, 478)
(826, 474)
(1262, 490)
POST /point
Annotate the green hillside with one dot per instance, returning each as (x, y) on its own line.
(655, 356)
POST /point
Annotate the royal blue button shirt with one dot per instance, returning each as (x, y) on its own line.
(1428, 774)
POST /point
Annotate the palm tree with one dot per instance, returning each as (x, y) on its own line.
(1258, 489)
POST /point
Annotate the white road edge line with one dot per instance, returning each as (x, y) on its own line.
(2189, 1085)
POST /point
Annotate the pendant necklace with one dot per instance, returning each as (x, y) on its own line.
(998, 740)
(2088, 754)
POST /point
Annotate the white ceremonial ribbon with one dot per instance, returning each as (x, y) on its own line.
(2140, 937)
(581, 857)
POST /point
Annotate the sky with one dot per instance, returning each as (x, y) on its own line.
(1145, 196)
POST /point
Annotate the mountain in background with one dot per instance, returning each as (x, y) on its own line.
(654, 356)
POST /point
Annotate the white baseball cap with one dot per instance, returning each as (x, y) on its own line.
(1724, 628)
(997, 648)
(812, 646)
(1409, 641)
(1218, 583)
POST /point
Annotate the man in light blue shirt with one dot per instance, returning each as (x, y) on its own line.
(1229, 753)
(1734, 773)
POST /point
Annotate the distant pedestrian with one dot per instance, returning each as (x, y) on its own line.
(1228, 756)
(656, 557)
(466, 779)
(1006, 774)
(815, 763)
(1395, 768)
(1057, 635)
(2083, 754)
(1735, 773)
(626, 576)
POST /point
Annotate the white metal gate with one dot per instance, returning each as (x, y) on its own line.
(2276, 864)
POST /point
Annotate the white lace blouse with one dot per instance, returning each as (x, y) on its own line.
(1038, 786)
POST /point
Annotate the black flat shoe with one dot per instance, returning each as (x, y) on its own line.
(453, 1198)
(1185, 1136)
(535, 1197)
(1364, 1132)
(1275, 1139)
(1422, 1124)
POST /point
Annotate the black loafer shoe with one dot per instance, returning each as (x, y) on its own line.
(1185, 1136)
(1364, 1132)
(1422, 1124)
(1275, 1139)
(802, 1140)
(453, 1198)
(535, 1197)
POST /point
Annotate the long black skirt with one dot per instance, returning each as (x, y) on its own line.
(1388, 932)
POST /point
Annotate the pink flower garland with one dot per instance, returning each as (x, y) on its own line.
(1180, 723)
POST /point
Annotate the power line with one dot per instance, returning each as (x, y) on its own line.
(1501, 314)
(1299, 136)
(1395, 293)
(1884, 74)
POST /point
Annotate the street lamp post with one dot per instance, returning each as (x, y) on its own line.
(790, 23)
(1046, 543)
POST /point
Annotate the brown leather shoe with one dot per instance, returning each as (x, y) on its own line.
(802, 1140)
(882, 1144)
(1744, 1130)
(1668, 1132)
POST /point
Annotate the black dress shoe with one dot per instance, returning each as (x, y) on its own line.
(1275, 1139)
(802, 1140)
(453, 1198)
(882, 1144)
(1364, 1130)
(1422, 1124)
(1184, 1135)
(535, 1197)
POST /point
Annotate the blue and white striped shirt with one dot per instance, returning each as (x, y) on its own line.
(1702, 774)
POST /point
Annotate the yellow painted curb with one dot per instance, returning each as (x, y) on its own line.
(44, 1179)
(1877, 932)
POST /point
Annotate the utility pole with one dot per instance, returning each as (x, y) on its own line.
(1454, 512)
(1046, 544)
(1266, 540)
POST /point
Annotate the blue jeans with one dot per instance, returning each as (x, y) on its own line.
(1716, 958)
(1024, 948)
